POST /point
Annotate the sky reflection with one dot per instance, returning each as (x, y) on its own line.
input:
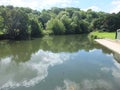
(90, 68)
(28, 74)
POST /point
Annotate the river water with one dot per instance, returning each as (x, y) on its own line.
(72, 62)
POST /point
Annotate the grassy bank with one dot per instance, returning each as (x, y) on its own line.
(97, 34)
(1, 33)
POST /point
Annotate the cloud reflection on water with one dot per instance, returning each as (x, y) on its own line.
(86, 85)
(32, 72)
(114, 71)
(28, 74)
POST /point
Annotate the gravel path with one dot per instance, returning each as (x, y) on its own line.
(113, 45)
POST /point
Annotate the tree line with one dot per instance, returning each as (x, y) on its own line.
(23, 23)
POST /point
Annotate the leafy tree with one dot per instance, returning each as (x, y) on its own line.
(77, 15)
(91, 15)
(35, 29)
(15, 24)
(20, 23)
(73, 27)
(67, 22)
(62, 13)
(71, 10)
(98, 23)
(84, 27)
(112, 22)
(1, 23)
(56, 10)
(56, 25)
(44, 17)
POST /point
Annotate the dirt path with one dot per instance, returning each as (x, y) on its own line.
(113, 45)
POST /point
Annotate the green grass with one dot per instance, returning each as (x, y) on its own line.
(96, 34)
(1, 33)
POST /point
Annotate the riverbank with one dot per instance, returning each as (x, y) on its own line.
(92, 35)
(100, 35)
(113, 45)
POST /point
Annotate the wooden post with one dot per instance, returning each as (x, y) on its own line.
(117, 34)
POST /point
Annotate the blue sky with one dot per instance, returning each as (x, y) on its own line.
(109, 6)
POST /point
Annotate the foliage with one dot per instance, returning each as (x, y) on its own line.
(47, 32)
(22, 23)
(44, 17)
(56, 25)
(109, 23)
(112, 22)
(1, 22)
(35, 29)
(15, 24)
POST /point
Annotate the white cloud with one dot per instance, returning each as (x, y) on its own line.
(47, 4)
(116, 6)
(51, 3)
(20, 3)
(39, 4)
(94, 8)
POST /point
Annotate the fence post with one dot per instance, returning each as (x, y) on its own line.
(117, 36)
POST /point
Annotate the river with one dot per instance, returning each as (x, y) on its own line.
(72, 62)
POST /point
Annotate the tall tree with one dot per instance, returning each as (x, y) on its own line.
(15, 23)
(56, 25)
(35, 29)
(44, 17)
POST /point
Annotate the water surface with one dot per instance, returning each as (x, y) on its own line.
(71, 62)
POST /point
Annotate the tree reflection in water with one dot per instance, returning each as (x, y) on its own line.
(26, 63)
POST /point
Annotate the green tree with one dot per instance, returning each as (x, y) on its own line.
(77, 15)
(15, 24)
(56, 10)
(62, 13)
(67, 23)
(112, 22)
(98, 23)
(56, 25)
(84, 26)
(1, 23)
(71, 10)
(35, 29)
(44, 17)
